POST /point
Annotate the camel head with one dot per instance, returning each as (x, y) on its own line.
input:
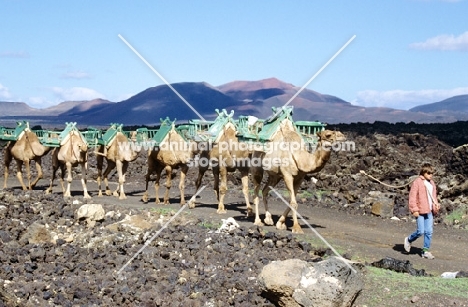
(82, 144)
(328, 137)
(83, 147)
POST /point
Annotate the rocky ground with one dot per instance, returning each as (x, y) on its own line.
(188, 263)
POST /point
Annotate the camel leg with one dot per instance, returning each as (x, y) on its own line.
(38, 161)
(245, 190)
(216, 181)
(268, 218)
(296, 185)
(84, 171)
(271, 182)
(168, 184)
(156, 185)
(183, 174)
(222, 189)
(257, 176)
(6, 165)
(288, 180)
(149, 171)
(281, 224)
(49, 190)
(67, 192)
(201, 172)
(110, 166)
(28, 173)
(62, 177)
(121, 169)
(55, 166)
(100, 162)
(19, 174)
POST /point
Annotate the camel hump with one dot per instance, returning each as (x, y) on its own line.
(292, 136)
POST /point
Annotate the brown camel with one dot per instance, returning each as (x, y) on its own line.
(291, 162)
(171, 151)
(73, 151)
(226, 154)
(118, 152)
(26, 148)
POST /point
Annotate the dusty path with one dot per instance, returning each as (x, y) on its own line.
(364, 238)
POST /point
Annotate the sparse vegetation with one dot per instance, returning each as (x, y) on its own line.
(389, 288)
(210, 224)
(304, 194)
(163, 211)
(458, 216)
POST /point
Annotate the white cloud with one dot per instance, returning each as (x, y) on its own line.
(40, 102)
(401, 99)
(14, 54)
(76, 75)
(76, 94)
(4, 92)
(445, 42)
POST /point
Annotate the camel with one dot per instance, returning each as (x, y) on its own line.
(73, 151)
(26, 148)
(172, 151)
(226, 155)
(291, 166)
(118, 152)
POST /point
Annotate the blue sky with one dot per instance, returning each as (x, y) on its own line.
(406, 52)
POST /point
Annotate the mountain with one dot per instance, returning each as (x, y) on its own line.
(70, 107)
(254, 98)
(311, 105)
(454, 104)
(17, 109)
(268, 93)
(154, 103)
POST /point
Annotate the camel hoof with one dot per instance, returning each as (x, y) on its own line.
(108, 192)
(144, 199)
(297, 230)
(223, 211)
(281, 226)
(87, 197)
(191, 205)
(268, 221)
(250, 212)
(258, 222)
(122, 197)
(46, 191)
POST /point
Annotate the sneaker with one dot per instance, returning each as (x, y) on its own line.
(407, 245)
(427, 255)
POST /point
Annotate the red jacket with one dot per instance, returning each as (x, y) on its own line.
(418, 196)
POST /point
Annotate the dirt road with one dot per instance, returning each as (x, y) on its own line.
(364, 238)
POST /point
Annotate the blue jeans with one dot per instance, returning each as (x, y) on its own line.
(424, 227)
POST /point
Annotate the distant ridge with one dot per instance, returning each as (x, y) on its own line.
(254, 98)
(454, 104)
